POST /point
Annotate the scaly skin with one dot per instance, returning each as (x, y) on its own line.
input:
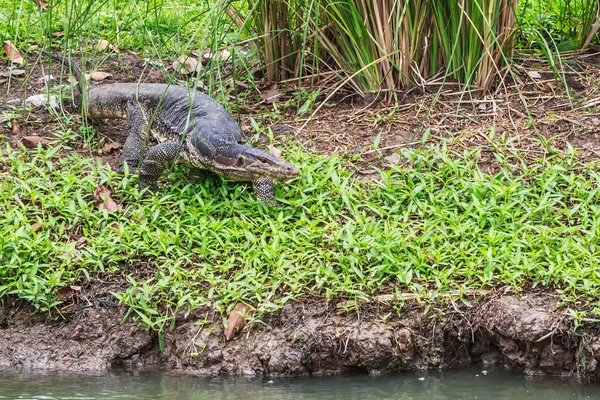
(189, 126)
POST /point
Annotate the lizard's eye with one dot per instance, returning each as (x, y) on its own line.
(240, 162)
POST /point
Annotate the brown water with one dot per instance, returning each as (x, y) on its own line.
(463, 384)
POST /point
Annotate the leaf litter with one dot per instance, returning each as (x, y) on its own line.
(102, 196)
(236, 320)
(12, 53)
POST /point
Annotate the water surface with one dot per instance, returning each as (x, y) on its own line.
(462, 384)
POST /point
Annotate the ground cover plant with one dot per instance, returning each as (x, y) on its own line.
(435, 226)
(131, 24)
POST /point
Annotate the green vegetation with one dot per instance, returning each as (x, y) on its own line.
(570, 24)
(140, 25)
(436, 227)
(379, 45)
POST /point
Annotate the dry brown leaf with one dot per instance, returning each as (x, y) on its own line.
(110, 205)
(71, 253)
(186, 65)
(14, 72)
(57, 34)
(12, 53)
(113, 48)
(16, 128)
(236, 320)
(66, 292)
(109, 147)
(270, 94)
(33, 141)
(101, 191)
(274, 151)
(222, 55)
(100, 75)
(102, 44)
(41, 4)
(102, 196)
(36, 226)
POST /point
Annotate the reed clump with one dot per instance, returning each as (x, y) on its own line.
(383, 45)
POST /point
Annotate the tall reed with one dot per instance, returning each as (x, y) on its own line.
(382, 45)
(277, 26)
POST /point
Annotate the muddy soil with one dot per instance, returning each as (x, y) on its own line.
(522, 332)
(527, 332)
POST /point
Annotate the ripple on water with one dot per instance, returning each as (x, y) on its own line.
(462, 384)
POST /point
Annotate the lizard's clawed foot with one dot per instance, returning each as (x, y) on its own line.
(148, 182)
(274, 203)
(131, 164)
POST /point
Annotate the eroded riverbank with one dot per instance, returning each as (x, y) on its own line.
(522, 332)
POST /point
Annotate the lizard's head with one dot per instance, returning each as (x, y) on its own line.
(259, 163)
(248, 163)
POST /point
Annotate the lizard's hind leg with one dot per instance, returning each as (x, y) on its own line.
(136, 144)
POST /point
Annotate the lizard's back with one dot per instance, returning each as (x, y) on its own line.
(175, 110)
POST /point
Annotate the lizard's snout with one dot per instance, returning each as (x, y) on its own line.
(268, 165)
(289, 171)
(293, 170)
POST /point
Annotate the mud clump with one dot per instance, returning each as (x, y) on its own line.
(94, 341)
(526, 333)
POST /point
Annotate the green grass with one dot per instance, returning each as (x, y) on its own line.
(131, 24)
(438, 226)
(568, 23)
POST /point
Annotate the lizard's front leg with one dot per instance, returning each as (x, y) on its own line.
(137, 142)
(156, 161)
(265, 191)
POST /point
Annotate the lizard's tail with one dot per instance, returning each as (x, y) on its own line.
(78, 75)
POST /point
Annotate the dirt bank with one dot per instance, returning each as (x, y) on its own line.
(526, 333)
